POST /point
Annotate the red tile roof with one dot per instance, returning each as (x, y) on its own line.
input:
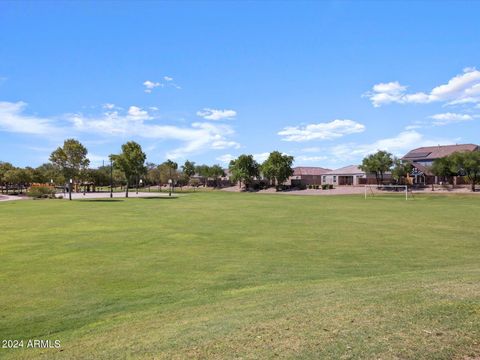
(436, 152)
(309, 170)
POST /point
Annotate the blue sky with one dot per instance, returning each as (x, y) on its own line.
(326, 82)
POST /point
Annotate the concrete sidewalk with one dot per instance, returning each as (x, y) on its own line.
(12, 197)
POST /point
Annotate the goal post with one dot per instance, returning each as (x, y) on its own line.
(385, 189)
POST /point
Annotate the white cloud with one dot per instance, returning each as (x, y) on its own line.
(226, 158)
(261, 157)
(108, 106)
(311, 149)
(136, 113)
(461, 89)
(397, 145)
(321, 131)
(223, 144)
(150, 85)
(13, 119)
(167, 78)
(215, 114)
(199, 137)
(304, 158)
(449, 118)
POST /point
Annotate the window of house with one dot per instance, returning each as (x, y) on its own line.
(334, 178)
(324, 179)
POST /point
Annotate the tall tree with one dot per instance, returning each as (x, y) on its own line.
(46, 172)
(244, 169)
(216, 172)
(204, 172)
(19, 177)
(71, 158)
(443, 167)
(188, 170)
(378, 164)
(131, 161)
(4, 167)
(467, 163)
(400, 169)
(277, 167)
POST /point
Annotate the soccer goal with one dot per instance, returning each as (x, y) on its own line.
(378, 190)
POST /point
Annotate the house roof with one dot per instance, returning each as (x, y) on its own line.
(309, 170)
(347, 170)
(436, 152)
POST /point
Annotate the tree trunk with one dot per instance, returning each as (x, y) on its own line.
(126, 190)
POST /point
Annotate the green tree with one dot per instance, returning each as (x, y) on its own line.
(443, 167)
(71, 159)
(277, 167)
(44, 173)
(204, 172)
(131, 162)
(467, 163)
(378, 164)
(216, 172)
(4, 167)
(19, 177)
(188, 170)
(400, 170)
(244, 169)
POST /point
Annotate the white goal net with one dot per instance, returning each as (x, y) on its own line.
(387, 190)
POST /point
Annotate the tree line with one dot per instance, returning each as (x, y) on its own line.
(129, 168)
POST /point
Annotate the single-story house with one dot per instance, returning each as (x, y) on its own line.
(348, 175)
(306, 175)
(351, 175)
(422, 159)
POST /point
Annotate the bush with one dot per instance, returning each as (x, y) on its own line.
(327, 186)
(39, 192)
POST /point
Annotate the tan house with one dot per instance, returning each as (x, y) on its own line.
(306, 175)
(348, 175)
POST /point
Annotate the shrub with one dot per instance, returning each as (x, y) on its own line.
(40, 192)
(327, 186)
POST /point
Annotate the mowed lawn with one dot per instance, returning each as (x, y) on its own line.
(223, 275)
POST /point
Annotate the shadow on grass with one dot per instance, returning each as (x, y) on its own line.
(159, 197)
(102, 200)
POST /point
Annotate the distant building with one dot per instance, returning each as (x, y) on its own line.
(422, 159)
(306, 175)
(348, 175)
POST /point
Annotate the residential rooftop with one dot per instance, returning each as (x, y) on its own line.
(436, 152)
(309, 170)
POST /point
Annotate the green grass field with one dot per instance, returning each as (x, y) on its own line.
(222, 275)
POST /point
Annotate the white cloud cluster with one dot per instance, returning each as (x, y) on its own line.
(196, 138)
(150, 85)
(226, 158)
(13, 119)
(397, 145)
(449, 118)
(215, 114)
(134, 122)
(322, 131)
(461, 89)
(306, 158)
(136, 113)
